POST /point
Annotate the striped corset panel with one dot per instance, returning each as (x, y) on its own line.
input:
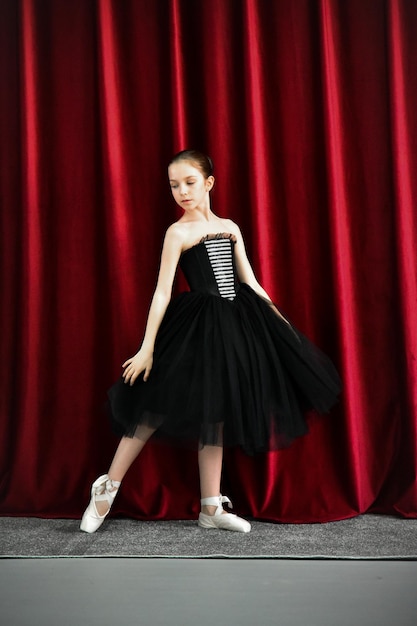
(221, 260)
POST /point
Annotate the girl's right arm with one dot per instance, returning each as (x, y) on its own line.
(143, 359)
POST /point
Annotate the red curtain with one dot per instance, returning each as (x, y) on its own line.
(308, 110)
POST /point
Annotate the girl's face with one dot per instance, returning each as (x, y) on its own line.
(188, 185)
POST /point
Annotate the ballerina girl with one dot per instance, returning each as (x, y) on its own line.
(219, 365)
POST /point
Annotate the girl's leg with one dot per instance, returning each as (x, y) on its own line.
(127, 451)
(210, 459)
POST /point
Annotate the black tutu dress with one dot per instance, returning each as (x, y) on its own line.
(227, 369)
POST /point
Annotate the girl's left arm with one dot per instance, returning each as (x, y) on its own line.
(244, 269)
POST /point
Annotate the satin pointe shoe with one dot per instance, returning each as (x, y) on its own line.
(225, 521)
(102, 489)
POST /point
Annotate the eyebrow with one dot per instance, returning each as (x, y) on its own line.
(173, 180)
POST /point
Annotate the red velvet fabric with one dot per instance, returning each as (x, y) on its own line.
(308, 110)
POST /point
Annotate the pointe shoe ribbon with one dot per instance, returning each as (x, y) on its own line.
(103, 489)
(220, 519)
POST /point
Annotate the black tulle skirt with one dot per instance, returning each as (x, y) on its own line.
(227, 372)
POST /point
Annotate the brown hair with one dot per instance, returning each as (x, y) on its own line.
(199, 159)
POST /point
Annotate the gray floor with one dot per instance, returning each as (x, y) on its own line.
(181, 592)
(365, 536)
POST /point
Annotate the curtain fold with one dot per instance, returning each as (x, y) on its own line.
(308, 112)
(339, 167)
(403, 92)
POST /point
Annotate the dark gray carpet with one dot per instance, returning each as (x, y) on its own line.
(363, 537)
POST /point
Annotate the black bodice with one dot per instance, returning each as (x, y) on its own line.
(209, 266)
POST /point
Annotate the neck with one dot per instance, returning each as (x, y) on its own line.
(201, 213)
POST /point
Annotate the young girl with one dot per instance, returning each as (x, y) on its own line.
(218, 365)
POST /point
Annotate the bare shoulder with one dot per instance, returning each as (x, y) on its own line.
(232, 227)
(175, 234)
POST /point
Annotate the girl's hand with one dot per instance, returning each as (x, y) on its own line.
(141, 362)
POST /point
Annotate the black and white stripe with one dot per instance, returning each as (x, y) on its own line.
(220, 255)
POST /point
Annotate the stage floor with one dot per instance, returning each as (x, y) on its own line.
(185, 592)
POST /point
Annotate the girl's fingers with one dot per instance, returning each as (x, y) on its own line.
(127, 374)
(130, 374)
(146, 375)
(134, 377)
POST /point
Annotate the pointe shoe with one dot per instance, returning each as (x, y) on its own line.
(225, 521)
(102, 489)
